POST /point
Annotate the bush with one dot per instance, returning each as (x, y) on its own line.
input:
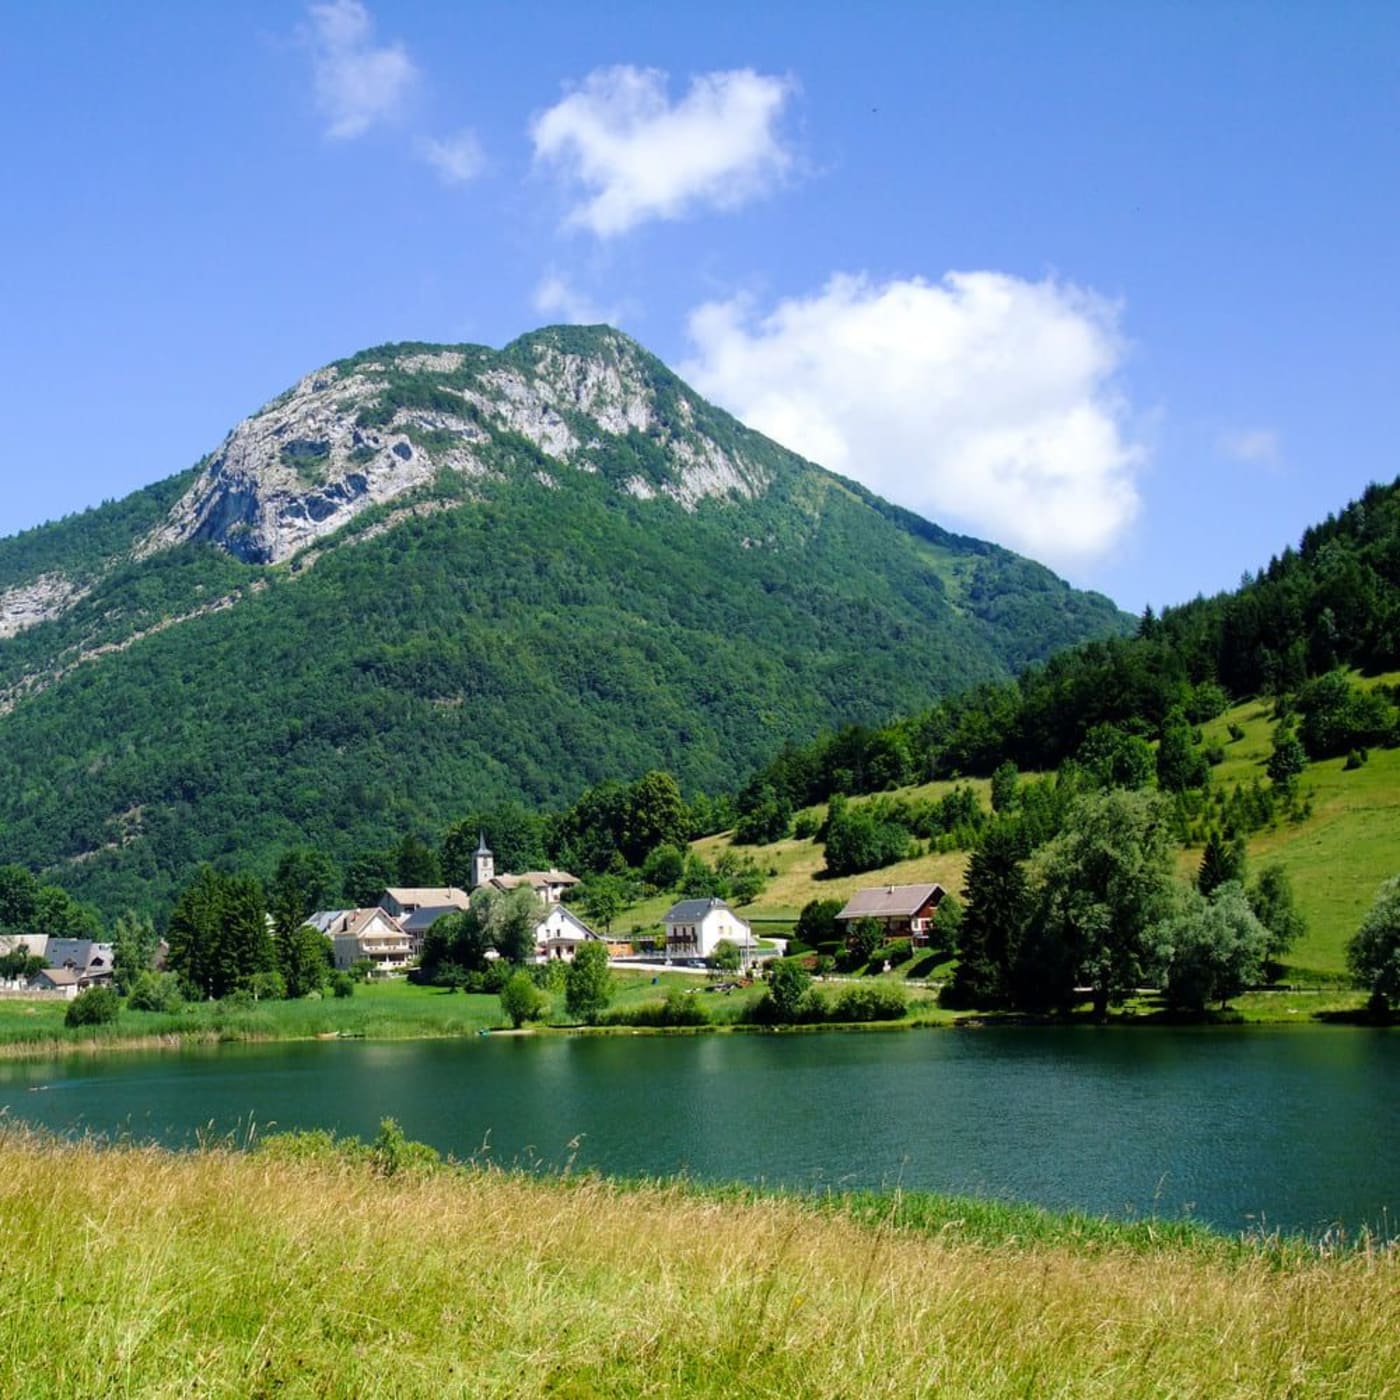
(522, 1001)
(393, 1153)
(342, 985)
(870, 1001)
(268, 986)
(156, 991)
(497, 974)
(98, 1006)
(1355, 758)
(679, 1009)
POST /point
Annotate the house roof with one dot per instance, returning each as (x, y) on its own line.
(33, 943)
(442, 894)
(59, 976)
(426, 917)
(358, 921)
(536, 879)
(572, 925)
(324, 920)
(688, 909)
(891, 901)
(82, 953)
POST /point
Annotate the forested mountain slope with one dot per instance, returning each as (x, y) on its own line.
(1331, 603)
(430, 578)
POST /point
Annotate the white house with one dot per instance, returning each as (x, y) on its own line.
(560, 933)
(695, 927)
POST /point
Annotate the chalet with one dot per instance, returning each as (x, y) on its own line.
(560, 933)
(904, 911)
(357, 934)
(695, 927)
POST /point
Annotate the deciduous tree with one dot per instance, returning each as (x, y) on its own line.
(588, 985)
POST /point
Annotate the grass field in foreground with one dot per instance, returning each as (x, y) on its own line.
(137, 1272)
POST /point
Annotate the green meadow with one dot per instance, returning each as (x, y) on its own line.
(316, 1268)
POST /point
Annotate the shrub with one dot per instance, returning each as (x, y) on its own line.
(522, 1001)
(679, 1009)
(870, 1001)
(156, 991)
(267, 986)
(1355, 758)
(342, 985)
(393, 1153)
(98, 1006)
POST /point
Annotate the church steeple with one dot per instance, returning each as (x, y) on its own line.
(483, 863)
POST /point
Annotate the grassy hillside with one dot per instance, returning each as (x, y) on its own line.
(1339, 856)
(1336, 858)
(305, 1270)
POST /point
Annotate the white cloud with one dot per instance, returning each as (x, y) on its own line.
(457, 159)
(1252, 446)
(983, 397)
(357, 83)
(556, 298)
(644, 157)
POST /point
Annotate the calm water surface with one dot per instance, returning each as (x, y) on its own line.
(1297, 1129)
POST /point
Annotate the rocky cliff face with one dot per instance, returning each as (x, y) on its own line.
(383, 425)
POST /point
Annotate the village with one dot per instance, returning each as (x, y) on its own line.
(386, 939)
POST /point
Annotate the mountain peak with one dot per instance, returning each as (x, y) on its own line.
(386, 423)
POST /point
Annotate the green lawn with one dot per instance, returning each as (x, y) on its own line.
(392, 1010)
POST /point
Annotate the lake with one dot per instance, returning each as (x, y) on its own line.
(1295, 1129)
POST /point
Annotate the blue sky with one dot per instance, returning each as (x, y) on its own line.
(1117, 285)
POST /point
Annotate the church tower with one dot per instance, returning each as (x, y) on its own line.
(483, 864)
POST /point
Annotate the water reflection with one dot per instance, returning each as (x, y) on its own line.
(1297, 1128)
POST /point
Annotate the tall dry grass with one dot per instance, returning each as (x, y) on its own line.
(136, 1272)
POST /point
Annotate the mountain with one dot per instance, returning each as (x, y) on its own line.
(431, 577)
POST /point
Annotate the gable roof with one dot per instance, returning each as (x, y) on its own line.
(59, 976)
(688, 910)
(439, 895)
(537, 880)
(891, 901)
(426, 917)
(82, 953)
(558, 914)
(33, 943)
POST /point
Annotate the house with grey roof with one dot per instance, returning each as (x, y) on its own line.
(905, 911)
(695, 927)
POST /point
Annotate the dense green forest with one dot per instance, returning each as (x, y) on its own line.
(1332, 603)
(511, 641)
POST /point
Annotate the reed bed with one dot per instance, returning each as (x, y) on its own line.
(311, 1270)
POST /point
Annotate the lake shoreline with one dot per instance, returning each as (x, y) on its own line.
(97, 1043)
